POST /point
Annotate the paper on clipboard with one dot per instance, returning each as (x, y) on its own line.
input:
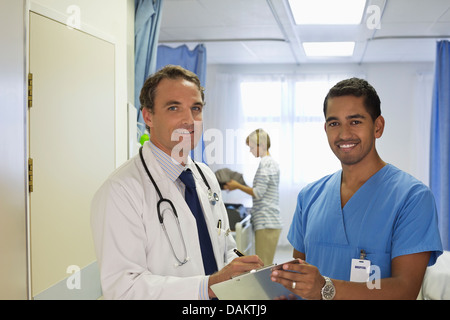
(255, 285)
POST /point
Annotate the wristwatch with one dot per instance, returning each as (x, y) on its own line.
(328, 291)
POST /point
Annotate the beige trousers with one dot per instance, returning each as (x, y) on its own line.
(266, 241)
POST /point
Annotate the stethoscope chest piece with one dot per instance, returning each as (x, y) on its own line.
(212, 197)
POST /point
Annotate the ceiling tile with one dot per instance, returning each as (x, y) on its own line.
(207, 20)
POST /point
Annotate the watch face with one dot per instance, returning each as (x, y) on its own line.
(328, 292)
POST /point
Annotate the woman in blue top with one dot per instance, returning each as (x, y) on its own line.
(265, 213)
(368, 216)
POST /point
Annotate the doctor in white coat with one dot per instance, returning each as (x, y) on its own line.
(138, 258)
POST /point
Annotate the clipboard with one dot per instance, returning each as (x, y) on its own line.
(253, 285)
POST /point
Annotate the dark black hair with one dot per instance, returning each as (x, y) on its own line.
(358, 88)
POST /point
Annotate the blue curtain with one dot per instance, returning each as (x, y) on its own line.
(146, 33)
(192, 60)
(440, 139)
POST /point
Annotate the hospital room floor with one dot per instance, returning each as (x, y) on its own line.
(283, 254)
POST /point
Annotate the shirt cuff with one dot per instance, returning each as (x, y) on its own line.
(203, 289)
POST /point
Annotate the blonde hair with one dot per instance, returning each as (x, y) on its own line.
(260, 137)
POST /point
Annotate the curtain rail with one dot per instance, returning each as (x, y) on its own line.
(409, 37)
(223, 40)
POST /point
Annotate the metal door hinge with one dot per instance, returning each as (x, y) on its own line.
(30, 90)
(30, 175)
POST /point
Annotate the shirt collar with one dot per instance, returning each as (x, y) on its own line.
(169, 165)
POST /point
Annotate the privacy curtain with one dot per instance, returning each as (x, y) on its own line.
(440, 139)
(147, 24)
(192, 60)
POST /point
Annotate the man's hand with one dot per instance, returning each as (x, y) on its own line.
(234, 268)
(307, 278)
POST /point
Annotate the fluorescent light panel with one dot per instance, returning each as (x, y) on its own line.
(329, 49)
(327, 11)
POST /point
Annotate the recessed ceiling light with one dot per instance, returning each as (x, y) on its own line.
(327, 11)
(329, 49)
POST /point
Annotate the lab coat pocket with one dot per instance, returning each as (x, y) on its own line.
(222, 240)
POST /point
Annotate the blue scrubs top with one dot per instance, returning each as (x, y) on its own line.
(392, 214)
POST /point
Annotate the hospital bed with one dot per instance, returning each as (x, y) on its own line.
(436, 283)
(241, 228)
(244, 236)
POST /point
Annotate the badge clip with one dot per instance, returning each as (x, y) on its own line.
(362, 255)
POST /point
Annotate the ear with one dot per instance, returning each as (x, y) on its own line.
(147, 115)
(379, 127)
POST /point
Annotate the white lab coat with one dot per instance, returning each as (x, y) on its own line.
(134, 255)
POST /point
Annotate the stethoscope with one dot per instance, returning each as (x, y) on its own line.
(212, 197)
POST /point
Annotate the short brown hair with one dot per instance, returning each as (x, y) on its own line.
(148, 91)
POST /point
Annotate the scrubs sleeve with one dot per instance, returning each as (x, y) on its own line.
(416, 229)
(296, 231)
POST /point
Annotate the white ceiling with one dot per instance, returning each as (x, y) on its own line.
(263, 31)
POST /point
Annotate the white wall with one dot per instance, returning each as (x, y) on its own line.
(405, 93)
(13, 265)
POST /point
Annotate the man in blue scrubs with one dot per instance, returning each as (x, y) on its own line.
(368, 231)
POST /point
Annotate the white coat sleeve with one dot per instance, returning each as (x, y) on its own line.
(120, 243)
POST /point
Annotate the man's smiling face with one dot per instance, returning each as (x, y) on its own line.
(176, 120)
(351, 132)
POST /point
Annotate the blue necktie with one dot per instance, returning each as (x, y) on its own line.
(190, 194)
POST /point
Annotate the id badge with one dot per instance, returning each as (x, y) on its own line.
(360, 270)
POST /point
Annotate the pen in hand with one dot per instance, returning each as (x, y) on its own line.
(240, 254)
